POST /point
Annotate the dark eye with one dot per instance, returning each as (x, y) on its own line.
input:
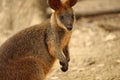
(61, 17)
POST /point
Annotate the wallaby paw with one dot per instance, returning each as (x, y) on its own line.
(64, 67)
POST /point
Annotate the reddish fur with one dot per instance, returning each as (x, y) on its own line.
(55, 4)
(71, 2)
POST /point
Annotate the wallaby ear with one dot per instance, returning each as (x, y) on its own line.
(71, 2)
(55, 4)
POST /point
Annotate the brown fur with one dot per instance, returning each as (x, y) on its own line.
(55, 4)
(31, 53)
(26, 54)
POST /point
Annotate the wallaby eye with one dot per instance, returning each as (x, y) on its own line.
(61, 17)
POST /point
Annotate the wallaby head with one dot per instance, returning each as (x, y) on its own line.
(63, 15)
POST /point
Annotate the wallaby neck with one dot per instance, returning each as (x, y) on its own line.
(53, 21)
(62, 34)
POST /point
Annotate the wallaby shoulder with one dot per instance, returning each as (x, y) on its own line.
(26, 41)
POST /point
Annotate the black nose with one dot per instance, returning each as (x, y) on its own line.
(69, 27)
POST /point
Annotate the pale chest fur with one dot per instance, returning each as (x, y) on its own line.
(65, 40)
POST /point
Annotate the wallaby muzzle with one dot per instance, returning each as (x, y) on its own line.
(69, 27)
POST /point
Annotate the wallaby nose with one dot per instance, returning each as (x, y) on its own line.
(69, 27)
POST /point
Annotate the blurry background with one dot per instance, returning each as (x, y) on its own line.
(95, 42)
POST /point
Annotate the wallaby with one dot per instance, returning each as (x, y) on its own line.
(31, 53)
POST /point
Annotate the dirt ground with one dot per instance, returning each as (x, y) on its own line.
(94, 49)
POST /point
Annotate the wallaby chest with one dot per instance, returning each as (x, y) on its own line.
(64, 37)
